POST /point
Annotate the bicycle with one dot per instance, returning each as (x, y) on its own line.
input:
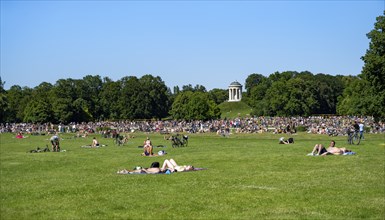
(354, 138)
(119, 140)
(179, 142)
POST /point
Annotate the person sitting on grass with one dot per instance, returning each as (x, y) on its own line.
(147, 147)
(95, 142)
(20, 135)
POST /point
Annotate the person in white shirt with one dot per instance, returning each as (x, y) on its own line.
(361, 130)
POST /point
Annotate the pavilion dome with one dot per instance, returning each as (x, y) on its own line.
(235, 83)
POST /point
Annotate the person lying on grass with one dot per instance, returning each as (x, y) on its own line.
(168, 165)
(174, 167)
(319, 149)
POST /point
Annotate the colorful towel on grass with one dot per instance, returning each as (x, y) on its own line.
(349, 153)
(345, 154)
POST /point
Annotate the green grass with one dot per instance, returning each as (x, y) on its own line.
(249, 176)
(234, 109)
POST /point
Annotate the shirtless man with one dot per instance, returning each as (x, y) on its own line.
(332, 149)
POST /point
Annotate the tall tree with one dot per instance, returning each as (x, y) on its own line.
(63, 110)
(109, 98)
(301, 97)
(327, 90)
(218, 95)
(374, 65)
(18, 98)
(3, 102)
(155, 100)
(353, 101)
(89, 89)
(253, 80)
(190, 105)
(257, 96)
(129, 100)
(37, 111)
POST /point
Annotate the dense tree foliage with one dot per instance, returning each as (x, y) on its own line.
(219, 95)
(355, 99)
(374, 68)
(3, 101)
(252, 81)
(92, 98)
(293, 93)
(190, 105)
(87, 99)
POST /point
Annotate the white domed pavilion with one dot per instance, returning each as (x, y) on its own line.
(235, 92)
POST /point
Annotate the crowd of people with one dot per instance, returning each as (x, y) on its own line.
(331, 125)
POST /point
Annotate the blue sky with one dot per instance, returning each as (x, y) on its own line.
(210, 43)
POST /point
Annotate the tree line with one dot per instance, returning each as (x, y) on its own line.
(93, 98)
(288, 93)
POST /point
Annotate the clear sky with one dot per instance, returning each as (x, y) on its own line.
(210, 43)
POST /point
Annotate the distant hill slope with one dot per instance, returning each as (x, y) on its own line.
(234, 109)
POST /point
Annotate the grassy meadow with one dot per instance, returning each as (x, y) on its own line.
(248, 176)
(235, 109)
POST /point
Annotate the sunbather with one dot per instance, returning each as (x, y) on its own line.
(154, 168)
(174, 167)
(319, 149)
(151, 170)
(168, 165)
(283, 141)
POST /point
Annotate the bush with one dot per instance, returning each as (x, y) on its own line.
(301, 128)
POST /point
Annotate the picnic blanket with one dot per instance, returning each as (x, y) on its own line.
(89, 146)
